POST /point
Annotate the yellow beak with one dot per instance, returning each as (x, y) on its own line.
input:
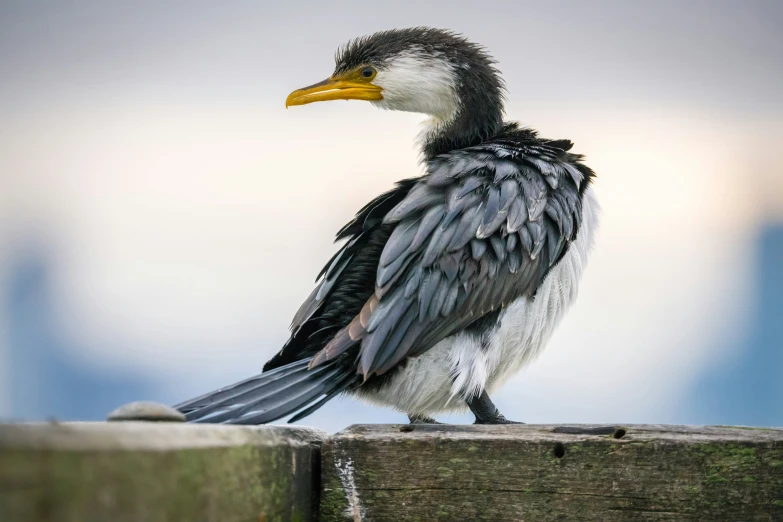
(334, 89)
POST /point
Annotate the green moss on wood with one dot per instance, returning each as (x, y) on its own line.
(221, 484)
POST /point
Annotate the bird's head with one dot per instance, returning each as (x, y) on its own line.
(425, 70)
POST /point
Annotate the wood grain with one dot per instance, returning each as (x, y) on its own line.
(136, 471)
(153, 472)
(542, 473)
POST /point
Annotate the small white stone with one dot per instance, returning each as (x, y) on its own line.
(146, 411)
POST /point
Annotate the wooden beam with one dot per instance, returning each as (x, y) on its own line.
(542, 473)
(151, 472)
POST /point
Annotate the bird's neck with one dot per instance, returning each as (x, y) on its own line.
(469, 124)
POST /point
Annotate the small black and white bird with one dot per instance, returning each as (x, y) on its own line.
(450, 282)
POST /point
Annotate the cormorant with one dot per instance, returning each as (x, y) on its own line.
(452, 281)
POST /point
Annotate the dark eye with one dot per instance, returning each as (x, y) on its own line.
(367, 72)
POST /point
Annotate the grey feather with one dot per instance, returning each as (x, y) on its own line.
(458, 163)
(381, 290)
(429, 285)
(511, 285)
(483, 267)
(555, 241)
(537, 234)
(577, 212)
(412, 336)
(456, 206)
(413, 282)
(535, 198)
(380, 313)
(535, 208)
(477, 248)
(372, 343)
(392, 344)
(567, 216)
(505, 169)
(575, 174)
(438, 300)
(399, 241)
(497, 245)
(466, 228)
(449, 264)
(555, 212)
(509, 190)
(470, 184)
(307, 308)
(438, 173)
(491, 220)
(428, 223)
(331, 276)
(194, 407)
(468, 268)
(526, 240)
(569, 198)
(528, 172)
(451, 300)
(386, 273)
(517, 199)
(420, 197)
(437, 244)
(517, 215)
(474, 163)
(514, 261)
(266, 389)
(546, 168)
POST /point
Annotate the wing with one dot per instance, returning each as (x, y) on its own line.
(345, 283)
(482, 228)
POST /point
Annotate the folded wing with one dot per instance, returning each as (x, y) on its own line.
(483, 228)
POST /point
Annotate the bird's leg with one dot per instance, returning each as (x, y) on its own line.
(485, 411)
(417, 418)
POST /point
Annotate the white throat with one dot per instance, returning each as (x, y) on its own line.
(414, 82)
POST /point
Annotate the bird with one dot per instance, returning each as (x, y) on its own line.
(452, 281)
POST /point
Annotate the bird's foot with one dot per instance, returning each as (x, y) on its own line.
(422, 419)
(498, 418)
(485, 411)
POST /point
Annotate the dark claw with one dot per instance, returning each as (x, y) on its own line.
(497, 419)
(422, 419)
(485, 411)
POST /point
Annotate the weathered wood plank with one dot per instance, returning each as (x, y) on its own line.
(542, 473)
(151, 472)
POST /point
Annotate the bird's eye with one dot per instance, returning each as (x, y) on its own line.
(367, 72)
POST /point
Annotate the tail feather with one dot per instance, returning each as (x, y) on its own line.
(270, 396)
(276, 387)
(326, 398)
(287, 405)
(262, 399)
(228, 392)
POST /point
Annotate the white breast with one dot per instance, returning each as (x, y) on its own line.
(458, 367)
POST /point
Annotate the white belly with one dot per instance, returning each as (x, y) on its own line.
(457, 367)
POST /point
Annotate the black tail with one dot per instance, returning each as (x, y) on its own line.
(269, 396)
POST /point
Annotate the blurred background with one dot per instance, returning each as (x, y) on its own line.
(162, 215)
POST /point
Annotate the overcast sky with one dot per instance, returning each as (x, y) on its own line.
(146, 146)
